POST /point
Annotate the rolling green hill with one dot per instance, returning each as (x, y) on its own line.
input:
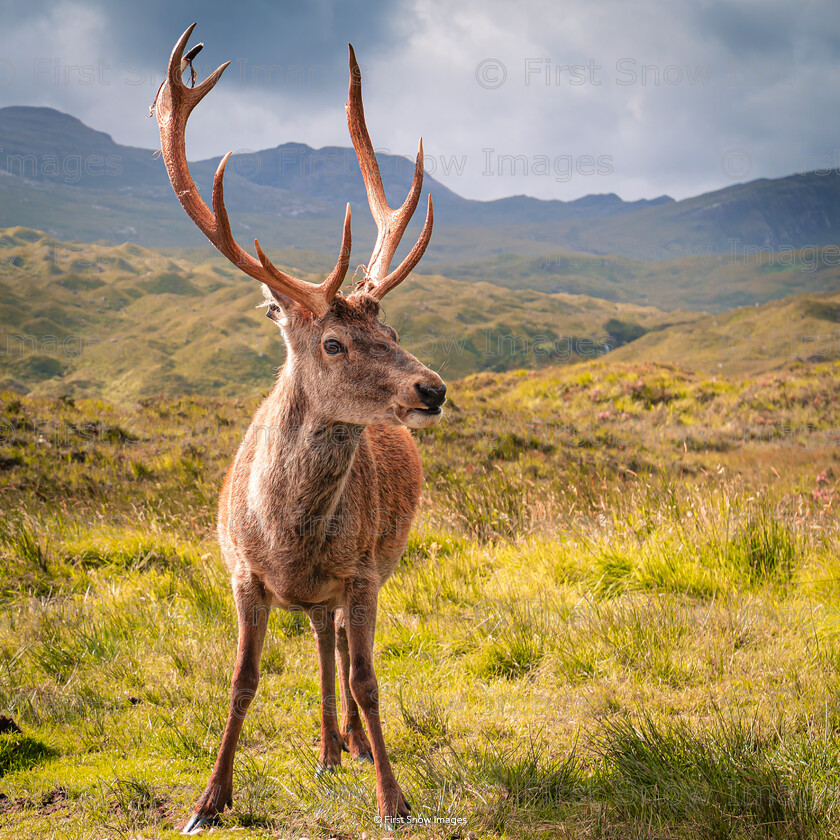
(124, 322)
(710, 282)
(796, 330)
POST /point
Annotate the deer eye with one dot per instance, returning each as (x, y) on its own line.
(332, 347)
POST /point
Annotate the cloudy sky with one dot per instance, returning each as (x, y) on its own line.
(551, 98)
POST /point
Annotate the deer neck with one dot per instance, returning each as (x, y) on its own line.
(301, 461)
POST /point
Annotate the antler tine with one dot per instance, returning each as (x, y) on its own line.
(173, 106)
(333, 282)
(192, 95)
(390, 223)
(413, 257)
(312, 296)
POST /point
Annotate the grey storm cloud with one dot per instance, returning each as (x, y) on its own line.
(288, 32)
(546, 98)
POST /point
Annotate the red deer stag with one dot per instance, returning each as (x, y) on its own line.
(315, 510)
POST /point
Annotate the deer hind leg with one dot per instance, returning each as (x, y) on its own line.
(352, 728)
(360, 625)
(252, 606)
(323, 625)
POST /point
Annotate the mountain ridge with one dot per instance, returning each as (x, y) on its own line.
(273, 167)
(59, 175)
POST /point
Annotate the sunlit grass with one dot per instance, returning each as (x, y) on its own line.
(585, 638)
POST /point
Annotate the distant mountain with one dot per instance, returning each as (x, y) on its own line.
(52, 148)
(79, 184)
(772, 215)
(58, 175)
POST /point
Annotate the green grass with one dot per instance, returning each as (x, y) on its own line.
(20, 752)
(618, 616)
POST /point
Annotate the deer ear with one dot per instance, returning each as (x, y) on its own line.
(278, 306)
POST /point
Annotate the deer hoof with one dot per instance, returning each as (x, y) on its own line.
(401, 818)
(197, 822)
(325, 769)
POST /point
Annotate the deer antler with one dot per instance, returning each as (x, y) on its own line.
(390, 223)
(173, 106)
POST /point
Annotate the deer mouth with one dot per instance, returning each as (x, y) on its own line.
(418, 418)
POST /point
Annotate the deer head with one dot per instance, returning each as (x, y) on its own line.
(345, 361)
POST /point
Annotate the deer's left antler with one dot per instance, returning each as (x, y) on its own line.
(390, 223)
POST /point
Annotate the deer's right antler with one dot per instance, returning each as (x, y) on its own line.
(173, 106)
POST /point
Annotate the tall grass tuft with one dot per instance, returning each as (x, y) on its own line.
(730, 779)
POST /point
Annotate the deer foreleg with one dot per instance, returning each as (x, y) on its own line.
(252, 607)
(323, 625)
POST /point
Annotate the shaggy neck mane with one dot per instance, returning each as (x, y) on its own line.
(301, 463)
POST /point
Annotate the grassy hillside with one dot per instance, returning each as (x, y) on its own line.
(124, 322)
(705, 281)
(617, 617)
(797, 330)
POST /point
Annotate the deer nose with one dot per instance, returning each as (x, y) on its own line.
(431, 396)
